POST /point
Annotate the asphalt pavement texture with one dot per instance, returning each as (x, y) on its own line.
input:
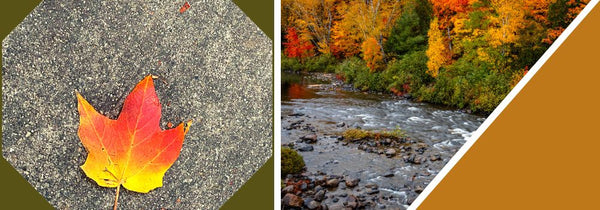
(215, 68)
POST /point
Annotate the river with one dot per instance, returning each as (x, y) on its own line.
(327, 107)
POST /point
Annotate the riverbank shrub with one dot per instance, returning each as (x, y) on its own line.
(408, 74)
(467, 84)
(290, 64)
(322, 63)
(347, 69)
(356, 72)
(291, 162)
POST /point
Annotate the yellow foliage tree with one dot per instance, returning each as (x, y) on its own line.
(507, 22)
(436, 51)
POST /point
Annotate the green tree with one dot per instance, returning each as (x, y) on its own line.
(410, 31)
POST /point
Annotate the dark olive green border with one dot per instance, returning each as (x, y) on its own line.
(257, 193)
(261, 12)
(16, 192)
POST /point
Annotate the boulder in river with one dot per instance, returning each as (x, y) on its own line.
(411, 197)
(291, 200)
(351, 182)
(372, 186)
(307, 148)
(362, 147)
(435, 157)
(297, 114)
(320, 180)
(352, 201)
(303, 186)
(333, 182)
(311, 204)
(372, 191)
(419, 159)
(310, 138)
(336, 207)
(388, 174)
(419, 189)
(294, 125)
(390, 152)
(415, 159)
(421, 150)
(320, 195)
(318, 188)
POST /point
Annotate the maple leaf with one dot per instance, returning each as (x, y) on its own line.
(185, 7)
(132, 150)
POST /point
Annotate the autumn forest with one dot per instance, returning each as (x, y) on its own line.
(466, 54)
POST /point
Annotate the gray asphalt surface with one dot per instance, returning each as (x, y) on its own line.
(215, 66)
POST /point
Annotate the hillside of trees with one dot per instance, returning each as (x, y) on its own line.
(466, 54)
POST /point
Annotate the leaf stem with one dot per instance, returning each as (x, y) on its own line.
(117, 197)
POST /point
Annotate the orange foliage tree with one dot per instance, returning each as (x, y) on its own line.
(446, 11)
(346, 40)
(563, 12)
(371, 53)
(295, 47)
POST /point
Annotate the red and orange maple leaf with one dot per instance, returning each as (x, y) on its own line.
(132, 150)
